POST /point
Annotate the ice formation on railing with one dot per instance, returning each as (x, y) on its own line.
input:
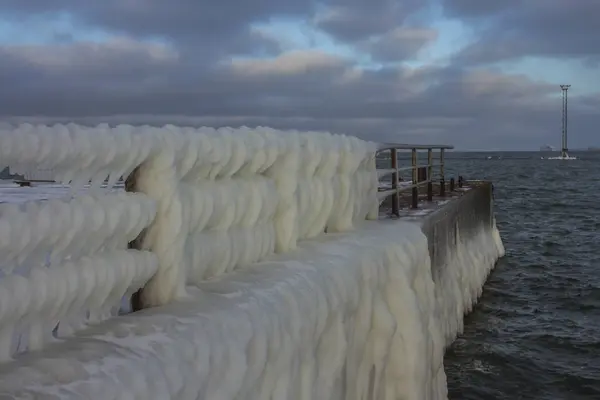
(76, 153)
(351, 318)
(230, 224)
(37, 232)
(213, 187)
(66, 263)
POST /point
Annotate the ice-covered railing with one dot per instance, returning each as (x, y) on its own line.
(224, 198)
(419, 174)
(65, 264)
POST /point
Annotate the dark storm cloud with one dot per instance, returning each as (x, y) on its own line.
(478, 8)
(354, 20)
(208, 19)
(208, 28)
(194, 79)
(303, 90)
(514, 29)
(398, 44)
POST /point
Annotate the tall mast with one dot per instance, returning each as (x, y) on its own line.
(565, 147)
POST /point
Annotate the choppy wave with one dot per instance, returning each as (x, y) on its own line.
(536, 331)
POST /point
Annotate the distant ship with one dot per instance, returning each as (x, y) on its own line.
(594, 149)
(547, 147)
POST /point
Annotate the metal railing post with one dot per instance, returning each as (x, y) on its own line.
(442, 175)
(395, 196)
(429, 174)
(415, 180)
(421, 174)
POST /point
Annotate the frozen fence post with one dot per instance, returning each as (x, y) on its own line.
(395, 197)
(156, 177)
(415, 179)
(135, 244)
(429, 174)
(442, 175)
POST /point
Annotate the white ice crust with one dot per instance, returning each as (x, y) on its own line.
(225, 197)
(209, 201)
(460, 282)
(350, 314)
(252, 300)
(67, 261)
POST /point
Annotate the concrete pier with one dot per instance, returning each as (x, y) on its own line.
(467, 212)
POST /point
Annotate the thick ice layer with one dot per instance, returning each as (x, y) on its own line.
(76, 153)
(213, 200)
(66, 260)
(353, 316)
(73, 293)
(359, 315)
(460, 283)
(35, 233)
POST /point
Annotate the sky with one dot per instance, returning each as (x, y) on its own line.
(482, 75)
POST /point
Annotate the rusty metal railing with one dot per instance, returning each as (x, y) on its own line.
(420, 174)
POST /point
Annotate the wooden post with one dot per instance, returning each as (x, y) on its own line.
(430, 175)
(422, 174)
(395, 197)
(415, 180)
(442, 176)
(452, 184)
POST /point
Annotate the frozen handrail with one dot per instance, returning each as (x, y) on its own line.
(421, 174)
(225, 198)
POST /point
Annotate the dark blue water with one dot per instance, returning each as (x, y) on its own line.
(535, 333)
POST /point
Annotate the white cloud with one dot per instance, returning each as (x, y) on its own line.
(289, 63)
(90, 54)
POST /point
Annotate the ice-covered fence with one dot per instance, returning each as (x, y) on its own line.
(346, 316)
(225, 198)
(229, 198)
(65, 263)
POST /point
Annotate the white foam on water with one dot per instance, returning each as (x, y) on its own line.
(565, 157)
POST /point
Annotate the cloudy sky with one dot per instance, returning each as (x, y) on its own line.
(478, 74)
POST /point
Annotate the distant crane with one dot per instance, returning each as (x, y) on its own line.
(565, 148)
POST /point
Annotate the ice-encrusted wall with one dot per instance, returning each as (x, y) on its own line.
(347, 316)
(464, 244)
(208, 201)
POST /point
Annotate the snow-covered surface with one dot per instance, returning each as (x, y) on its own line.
(335, 319)
(10, 192)
(38, 174)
